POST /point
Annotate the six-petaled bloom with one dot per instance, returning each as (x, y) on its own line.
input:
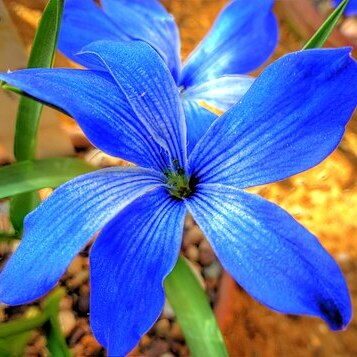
(292, 117)
(242, 38)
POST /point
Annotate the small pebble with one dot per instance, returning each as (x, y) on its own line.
(145, 341)
(192, 236)
(80, 330)
(179, 348)
(80, 278)
(176, 332)
(206, 255)
(76, 265)
(83, 304)
(37, 346)
(349, 27)
(168, 311)
(189, 223)
(84, 289)
(167, 354)
(66, 303)
(157, 348)
(211, 284)
(162, 327)
(323, 328)
(343, 257)
(67, 321)
(192, 253)
(77, 350)
(91, 346)
(213, 271)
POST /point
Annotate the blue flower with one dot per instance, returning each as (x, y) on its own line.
(292, 117)
(351, 8)
(242, 38)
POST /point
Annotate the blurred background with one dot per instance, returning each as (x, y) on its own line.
(323, 199)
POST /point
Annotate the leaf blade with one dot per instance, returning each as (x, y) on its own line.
(42, 55)
(321, 35)
(27, 176)
(193, 312)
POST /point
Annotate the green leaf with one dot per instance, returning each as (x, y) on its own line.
(13, 89)
(42, 55)
(8, 237)
(56, 342)
(17, 330)
(20, 206)
(14, 346)
(29, 112)
(23, 324)
(193, 312)
(27, 176)
(321, 35)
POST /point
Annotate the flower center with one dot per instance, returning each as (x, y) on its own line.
(180, 185)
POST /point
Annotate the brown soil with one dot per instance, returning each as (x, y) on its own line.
(323, 199)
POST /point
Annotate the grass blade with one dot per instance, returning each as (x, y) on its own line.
(321, 35)
(193, 312)
(27, 176)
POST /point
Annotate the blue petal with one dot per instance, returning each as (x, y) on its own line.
(243, 37)
(220, 93)
(148, 21)
(121, 21)
(56, 231)
(129, 261)
(270, 255)
(150, 90)
(292, 117)
(98, 105)
(198, 120)
(351, 8)
(78, 20)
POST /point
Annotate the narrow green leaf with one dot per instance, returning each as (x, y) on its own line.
(48, 318)
(56, 342)
(23, 324)
(11, 88)
(321, 35)
(26, 176)
(8, 237)
(193, 312)
(42, 55)
(29, 112)
(14, 346)
(20, 206)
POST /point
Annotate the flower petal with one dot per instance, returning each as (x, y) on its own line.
(129, 261)
(198, 120)
(77, 28)
(351, 8)
(242, 38)
(272, 256)
(292, 117)
(99, 106)
(56, 231)
(220, 93)
(150, 22)
(150, 90)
